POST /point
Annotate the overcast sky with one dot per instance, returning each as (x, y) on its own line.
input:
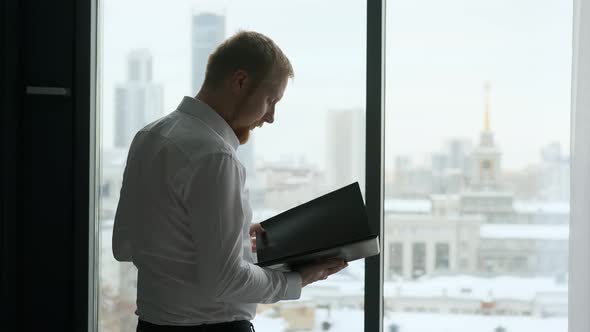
(439, 54)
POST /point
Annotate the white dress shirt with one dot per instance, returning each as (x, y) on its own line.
(183, 219)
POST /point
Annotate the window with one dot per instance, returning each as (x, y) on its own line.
(477, 124)
(152, 53)
(442, 256)
(418, 260)
(395, 259)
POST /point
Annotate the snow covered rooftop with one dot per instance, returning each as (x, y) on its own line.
(351, 320)
(524, 232)
(537, 207)
(466, 287)
(407, 206)
(474, 287)
(347, 320)
(487, 193)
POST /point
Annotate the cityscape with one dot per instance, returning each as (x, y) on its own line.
(468, 244)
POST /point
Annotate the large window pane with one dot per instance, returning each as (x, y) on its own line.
(154, 52)
(477, 165)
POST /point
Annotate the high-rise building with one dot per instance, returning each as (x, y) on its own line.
(138, 101)
(555, 168)
(459, 153)
(439, 165)
(451, 167)
(208, 31)
(346, 147)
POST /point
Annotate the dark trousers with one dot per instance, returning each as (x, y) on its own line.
(236, 326)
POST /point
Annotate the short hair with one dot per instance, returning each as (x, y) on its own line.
(250, 51)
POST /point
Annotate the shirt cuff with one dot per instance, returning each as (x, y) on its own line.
(293, 291)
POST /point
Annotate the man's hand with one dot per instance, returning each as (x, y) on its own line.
(313, 272)
(255, 229)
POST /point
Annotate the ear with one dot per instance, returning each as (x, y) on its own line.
(240, 82)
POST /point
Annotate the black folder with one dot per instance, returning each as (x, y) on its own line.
(330, 226)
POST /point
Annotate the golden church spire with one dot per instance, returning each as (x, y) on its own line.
(487, 87)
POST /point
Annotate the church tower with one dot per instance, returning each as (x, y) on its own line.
(486, 156)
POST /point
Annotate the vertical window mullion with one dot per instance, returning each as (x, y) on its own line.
(374, 159)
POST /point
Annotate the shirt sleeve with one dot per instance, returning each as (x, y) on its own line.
(126, 207)
(121, 240)
(213, 199)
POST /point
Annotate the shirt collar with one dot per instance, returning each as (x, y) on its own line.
(205, 113)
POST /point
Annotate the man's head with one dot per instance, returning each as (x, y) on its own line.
(246, 76)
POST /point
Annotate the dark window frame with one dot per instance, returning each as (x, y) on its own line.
(374, 169)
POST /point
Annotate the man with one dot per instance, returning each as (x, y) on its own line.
(183, 218)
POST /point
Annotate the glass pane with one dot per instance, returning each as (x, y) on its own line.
(153, 53)
(477, 165)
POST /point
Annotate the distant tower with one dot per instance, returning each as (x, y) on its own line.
(138, 101)
(556, 173)
(346, 147)
(486, 156)
(208, 31)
